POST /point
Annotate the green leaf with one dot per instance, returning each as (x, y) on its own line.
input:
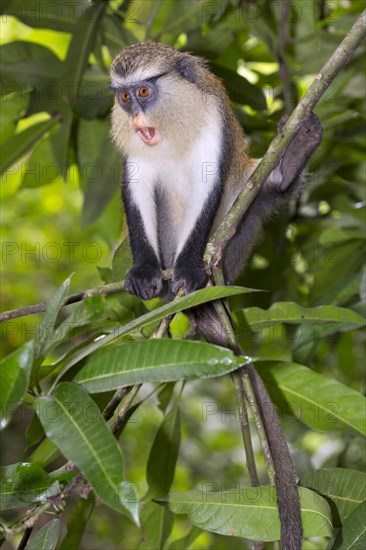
(46, 538)
(320, 402)
(179, 304)
(81, 45)
(60, 138)
(45, 453)
(60, 16)
(14, 379)
(154, 361)
(116, 36)
(73, 421)
(76, 524)
(12, 106)
(34, 432)
(28, 63)
(290, 312)
(187, 541)
(157, 523)
(165, 394)
(343, 489)
(240, 90)
(100, 168)
(249, 513)
(21, 484)
(43, 336)
(20, 144)
(352, 536)
(163, 456)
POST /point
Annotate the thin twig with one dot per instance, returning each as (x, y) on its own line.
(250, 397)
(245, 429)
(119, 394)
(124, 409)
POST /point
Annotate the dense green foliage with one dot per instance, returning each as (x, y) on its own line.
(61, 215)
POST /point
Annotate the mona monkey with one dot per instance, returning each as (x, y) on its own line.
(185, 162)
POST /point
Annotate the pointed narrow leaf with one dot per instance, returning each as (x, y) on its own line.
(73, 421)
(180, 304)
(163, 456)
(45, 453)
(157, 523)
(45, 330)
(240, 89)
(352, 536)
(81, 44)
(249, 513)
(320, 402)
(290, 312)
(28, 63)
(46, 538)
(154, 361)
(60, 16)
(187, 541)
(76, 524)
(343, 489)
(14, 379)
(20, 144)
(21, 484)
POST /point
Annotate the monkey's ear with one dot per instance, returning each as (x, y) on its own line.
(186, 67)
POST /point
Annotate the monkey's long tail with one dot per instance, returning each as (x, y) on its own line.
(285, 477)
(288, 500)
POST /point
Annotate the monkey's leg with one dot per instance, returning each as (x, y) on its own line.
(144, 279)
(282, 186)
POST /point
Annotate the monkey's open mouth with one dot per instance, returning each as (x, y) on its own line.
(150, 136)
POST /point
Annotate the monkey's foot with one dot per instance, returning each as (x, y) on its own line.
(144, 281)
(190, 277)
(305, 142)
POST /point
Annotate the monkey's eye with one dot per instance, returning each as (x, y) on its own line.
(125, 96)
(144, 91)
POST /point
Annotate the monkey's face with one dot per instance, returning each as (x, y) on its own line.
(158, 102)
(137, 99)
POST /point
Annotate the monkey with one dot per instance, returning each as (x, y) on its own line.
(185, 161)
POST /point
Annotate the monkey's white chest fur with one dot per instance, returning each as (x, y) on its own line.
(171, 190)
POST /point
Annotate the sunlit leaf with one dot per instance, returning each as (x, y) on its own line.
(17, 146)
(154, 361)
(250, 513)
(320, 402)
(14, 379)
(73, 421)
(343, 489)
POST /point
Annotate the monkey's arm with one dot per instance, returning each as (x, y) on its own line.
(283, 185)
(144, 279)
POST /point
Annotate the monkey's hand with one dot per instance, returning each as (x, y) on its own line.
(144, 281)
(192, 277)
